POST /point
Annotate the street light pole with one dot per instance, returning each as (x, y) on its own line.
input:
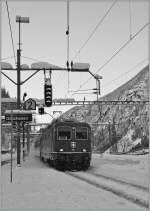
(20, 20)
(18, 98)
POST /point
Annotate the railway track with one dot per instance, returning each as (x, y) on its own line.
(131, 192)
(121, 181)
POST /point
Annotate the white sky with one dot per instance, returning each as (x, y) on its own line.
(44, 39)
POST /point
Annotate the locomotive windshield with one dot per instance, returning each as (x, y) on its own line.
(82, 133)
(64, 133)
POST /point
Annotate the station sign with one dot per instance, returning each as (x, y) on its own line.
(29, 104)
(18, 115)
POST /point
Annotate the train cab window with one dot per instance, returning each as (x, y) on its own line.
(63, 133)
(82, 133)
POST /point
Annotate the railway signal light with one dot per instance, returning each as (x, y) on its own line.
(41, 110)
(48, 93)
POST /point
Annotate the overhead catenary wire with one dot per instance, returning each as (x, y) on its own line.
(95, 29)
(130, 19)
(68, 47)
(33, 59)
(36, 60)
(121, 75)
(83, 93)
(122, 47)
(6, 58)
(11, 32)
(125, 73)
(115, 54)
(83, 90)
(90, 36)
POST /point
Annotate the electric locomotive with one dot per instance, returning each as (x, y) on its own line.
(66, 144)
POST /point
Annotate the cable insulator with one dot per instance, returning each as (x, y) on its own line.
(67, 64)
(71, 64)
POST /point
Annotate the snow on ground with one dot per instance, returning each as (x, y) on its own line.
(36, 185)
(130, 168)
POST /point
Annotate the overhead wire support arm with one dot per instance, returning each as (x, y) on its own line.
(92, 74)
(130, 20)
(74, 68)
(9, 78)
(29, 77)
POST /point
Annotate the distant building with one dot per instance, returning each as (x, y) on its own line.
(8, 104)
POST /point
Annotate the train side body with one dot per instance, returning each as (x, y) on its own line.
(67, 144)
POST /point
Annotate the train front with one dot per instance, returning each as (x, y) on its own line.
(73, 145)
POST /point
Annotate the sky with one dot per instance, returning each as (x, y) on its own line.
(44, 39)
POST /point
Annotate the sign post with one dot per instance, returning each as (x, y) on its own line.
(11, 148)
(23, 154)
(18, 116)
(29, 104)
(28, 139)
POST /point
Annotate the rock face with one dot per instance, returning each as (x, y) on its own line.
(119, 128)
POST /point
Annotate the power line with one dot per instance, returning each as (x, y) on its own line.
(36, 60)
(115, 54)
(92, 33)
(11, 32)
(82, 90)
(96, 27)
(59, 76)
(130, 19)
(10, 57)
(83, 93)
(122, 47)
(131, 69)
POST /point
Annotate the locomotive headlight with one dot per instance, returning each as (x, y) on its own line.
(61, 150)
(84, 150)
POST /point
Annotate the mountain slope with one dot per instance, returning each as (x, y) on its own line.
(128, 124)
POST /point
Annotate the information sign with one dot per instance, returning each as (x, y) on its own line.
(18, 115)
(30, 104)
